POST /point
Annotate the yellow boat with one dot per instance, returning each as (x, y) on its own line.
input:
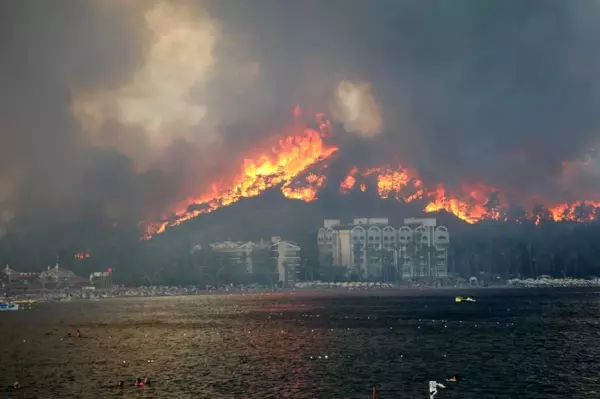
(464, 299)
(26, 302)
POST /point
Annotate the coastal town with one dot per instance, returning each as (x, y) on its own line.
(364, 255)
(58, 284)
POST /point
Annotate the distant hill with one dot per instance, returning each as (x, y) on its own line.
(271, 214)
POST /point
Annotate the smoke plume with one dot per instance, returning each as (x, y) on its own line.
(356, 108)
(120, 110)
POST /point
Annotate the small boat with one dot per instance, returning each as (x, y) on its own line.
(26, 302)
(67, 299)
(8, 306)
(464, 299)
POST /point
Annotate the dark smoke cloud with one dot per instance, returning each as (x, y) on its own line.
(502, 92)
(499, 92)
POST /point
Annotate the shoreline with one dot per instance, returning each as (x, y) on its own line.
(341, 292)
(152, 292)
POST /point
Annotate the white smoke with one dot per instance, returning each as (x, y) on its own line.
(356, 107)
(167, 97)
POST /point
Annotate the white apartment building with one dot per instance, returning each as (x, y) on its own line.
(365, 246)
(285, 254)
(237, 251)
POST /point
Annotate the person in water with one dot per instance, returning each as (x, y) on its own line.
(78, 334)
(139, 383)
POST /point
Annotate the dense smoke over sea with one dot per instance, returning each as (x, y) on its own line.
(114, 110)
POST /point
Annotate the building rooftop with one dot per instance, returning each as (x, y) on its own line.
(57, 273)
(364, 226)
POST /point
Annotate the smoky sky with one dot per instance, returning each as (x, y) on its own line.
(499, 92)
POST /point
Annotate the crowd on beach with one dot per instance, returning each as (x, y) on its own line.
(549, 282)
(91, 293)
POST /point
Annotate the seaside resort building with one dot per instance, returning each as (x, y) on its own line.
(371, 248)
(258, 257)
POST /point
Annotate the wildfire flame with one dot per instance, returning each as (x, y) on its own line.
(470, 202)
(293, 156)
(82, 255)
(291, 166)
(349, 181)
(578, 212)
(308, 192)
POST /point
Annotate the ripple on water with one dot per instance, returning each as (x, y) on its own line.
(303, 346)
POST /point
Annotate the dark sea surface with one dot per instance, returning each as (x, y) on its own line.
(509, 344)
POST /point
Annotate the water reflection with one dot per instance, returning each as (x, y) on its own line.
(291, 346)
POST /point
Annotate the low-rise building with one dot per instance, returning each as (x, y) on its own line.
(287, 255)
(101, 279)
(18, 281)
(283, 256)
(56, 277)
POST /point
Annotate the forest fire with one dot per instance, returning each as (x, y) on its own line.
(474, 207)
(293, 156)
(403, 185)
(292, 167)
(578, 212)
(470, 202)
(82, 255)
(308, 190)
(349, 181)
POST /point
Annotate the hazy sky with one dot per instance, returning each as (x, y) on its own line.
(117, 108)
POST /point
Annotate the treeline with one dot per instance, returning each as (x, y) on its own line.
(513, 249)
(507, 249)
(157, 265)
(519, 249)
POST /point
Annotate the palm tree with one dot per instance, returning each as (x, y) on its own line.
(431, 259)
(358, 250)
(386, 258)
(396, 264)
(413, 252)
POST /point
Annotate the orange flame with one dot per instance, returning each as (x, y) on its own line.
(307, 192)
(579, 212)
(396, 181)
(82, 255)
(287, 166)
(471, 208)
(348, 183)
(470, 204)
(294, 155)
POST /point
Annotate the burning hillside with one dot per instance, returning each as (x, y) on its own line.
(282, 166)
(471, 202)
(297, 165)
